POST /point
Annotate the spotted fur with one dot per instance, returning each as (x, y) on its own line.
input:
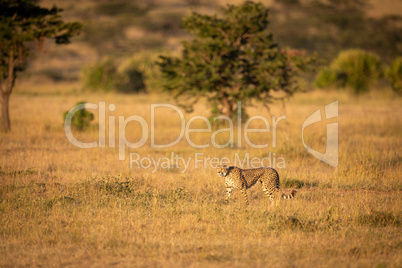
(242, 179)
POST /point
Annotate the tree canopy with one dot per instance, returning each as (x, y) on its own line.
(231, 59)
(23, 21)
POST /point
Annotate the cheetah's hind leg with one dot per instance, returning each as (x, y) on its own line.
(272, 194)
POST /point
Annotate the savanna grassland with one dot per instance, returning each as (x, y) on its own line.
(61, 205)
(65, 206)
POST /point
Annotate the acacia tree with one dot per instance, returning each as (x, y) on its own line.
(231, 59)
(21, 22)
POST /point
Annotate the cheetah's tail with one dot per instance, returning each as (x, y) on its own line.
(291, 195)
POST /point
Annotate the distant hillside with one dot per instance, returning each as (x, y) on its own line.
(121, 28)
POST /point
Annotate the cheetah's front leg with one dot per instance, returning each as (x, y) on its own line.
(229, 191)
(244, 192)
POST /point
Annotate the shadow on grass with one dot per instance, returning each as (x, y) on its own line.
(295, 183)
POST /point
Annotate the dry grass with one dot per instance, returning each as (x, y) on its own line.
(61, 205)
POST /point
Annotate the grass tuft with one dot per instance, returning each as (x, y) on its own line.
(379, 219)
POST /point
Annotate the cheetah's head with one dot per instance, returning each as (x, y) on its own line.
(222, 170)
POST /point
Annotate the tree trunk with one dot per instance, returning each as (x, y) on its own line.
(227, 107)
(6, 87)
(5, 115)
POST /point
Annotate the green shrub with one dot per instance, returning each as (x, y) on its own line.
(81, 119)
(105, 75)
(353, 69)
(100, 76)
(131, 78)
(145, 62)
(326, 78)
(394, 75)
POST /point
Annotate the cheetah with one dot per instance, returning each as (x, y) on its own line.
(242, 179)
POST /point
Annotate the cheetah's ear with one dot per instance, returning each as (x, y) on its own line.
(222, 166)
